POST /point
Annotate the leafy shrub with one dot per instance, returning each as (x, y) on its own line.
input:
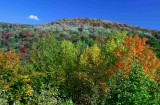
(13, 82)
(9, 68)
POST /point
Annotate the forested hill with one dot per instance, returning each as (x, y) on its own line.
(79, 61)
(21, 37)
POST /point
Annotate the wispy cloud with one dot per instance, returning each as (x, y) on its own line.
(33, 17)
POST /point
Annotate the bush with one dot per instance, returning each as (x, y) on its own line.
(9, 68)
(12, 82)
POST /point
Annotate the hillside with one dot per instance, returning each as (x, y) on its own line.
(16, 35)
(79, 61)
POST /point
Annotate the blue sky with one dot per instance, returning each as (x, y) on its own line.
(144, 13)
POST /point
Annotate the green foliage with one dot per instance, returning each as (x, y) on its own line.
(135, 89)
(49, 97)
(43, 63)
(110, 46)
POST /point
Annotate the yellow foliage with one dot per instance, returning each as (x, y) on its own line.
(26, 78)
(94, 65)
(83, 76)
(28, 90)
(9, 67)
(91, 55)
(9, 61)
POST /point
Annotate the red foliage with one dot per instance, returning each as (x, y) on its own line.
(23, 49)
(111, 28)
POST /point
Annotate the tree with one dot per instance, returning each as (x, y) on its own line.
(138, 79)
(137, 53)
(134, 89)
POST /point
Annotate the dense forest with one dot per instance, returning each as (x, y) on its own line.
(79, 61)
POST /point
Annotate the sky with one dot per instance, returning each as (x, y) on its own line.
(144, 13)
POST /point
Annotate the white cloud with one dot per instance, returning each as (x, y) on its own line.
(33, 17)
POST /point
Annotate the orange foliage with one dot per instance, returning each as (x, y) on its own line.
(135, 53)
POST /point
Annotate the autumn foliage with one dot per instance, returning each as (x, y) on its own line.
(121, 70)
(134, 74)
(135, 52)
(9, 68)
